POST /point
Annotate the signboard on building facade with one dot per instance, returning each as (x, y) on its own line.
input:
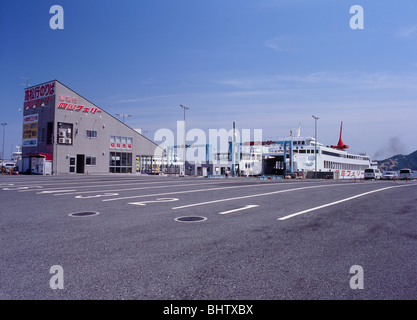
(30, 130)
(39, 95)
(121, 143)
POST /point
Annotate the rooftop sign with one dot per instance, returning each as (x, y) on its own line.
(37, 95)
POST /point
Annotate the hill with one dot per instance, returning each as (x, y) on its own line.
(399, 162)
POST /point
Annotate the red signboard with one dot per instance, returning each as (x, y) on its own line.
(40, 92)
(78, 108)
(118, 145)
(38, 95)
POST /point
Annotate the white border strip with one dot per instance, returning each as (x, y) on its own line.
(213, 189)
(253, 195)
(336, 202)
(240, 209)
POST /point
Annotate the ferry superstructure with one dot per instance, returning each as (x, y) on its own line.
(301, 154)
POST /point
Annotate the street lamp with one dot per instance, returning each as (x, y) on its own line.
(123, 116)
(2, 148)
(185, 108)
(315, 146)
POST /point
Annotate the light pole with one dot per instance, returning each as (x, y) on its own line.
(123, 116)
(185, 108)
(2, 148)
(315, 146)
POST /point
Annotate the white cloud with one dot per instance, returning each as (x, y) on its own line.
(324, 79)
(286, 3)
(283, 43)
(407, 32)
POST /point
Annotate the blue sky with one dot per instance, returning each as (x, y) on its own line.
(265, 64)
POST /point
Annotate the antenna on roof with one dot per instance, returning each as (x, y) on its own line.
(27, 82)
(297, 131)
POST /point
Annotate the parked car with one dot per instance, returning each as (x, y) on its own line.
(389, 175)
(372, 174)
(406, 174)
(8, 167)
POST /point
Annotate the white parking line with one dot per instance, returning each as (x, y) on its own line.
(253, 196)
(109, 179)
(53, 191)
(192, 191)
(240, 209)
(143, 188)
(337, 202)
(96, 186)
(143, 203)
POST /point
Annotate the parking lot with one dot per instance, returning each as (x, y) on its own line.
(161, 237)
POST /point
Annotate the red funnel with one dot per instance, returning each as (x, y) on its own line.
(340, 144)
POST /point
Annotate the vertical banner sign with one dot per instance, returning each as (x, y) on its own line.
(30, 131)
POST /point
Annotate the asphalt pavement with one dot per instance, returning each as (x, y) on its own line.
(186, 238)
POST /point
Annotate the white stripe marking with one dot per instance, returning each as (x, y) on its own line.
(192, 191)
(143, 203)
(53, 191)
(252, 196)
(336, 202)
(94, 186)
(240, 209)
(141, 188)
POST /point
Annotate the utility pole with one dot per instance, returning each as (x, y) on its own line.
(123, 116)
(315, 146)
(2, 148)
(234, 150)
(185, 108)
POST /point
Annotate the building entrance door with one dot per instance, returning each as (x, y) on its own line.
(80, 163)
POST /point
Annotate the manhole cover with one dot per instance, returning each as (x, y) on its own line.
(84, 214)
(190, 219)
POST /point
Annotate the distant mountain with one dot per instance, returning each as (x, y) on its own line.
(399, 162)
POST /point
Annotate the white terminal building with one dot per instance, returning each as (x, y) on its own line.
(64, 133)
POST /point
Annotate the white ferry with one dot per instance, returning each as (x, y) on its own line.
(300, 159)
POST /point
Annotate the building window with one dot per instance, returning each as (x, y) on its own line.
(120, 162)
(90, 161)
(91, 134)
(43, 135)
(50, 133)
(121, 143)
(64, 133)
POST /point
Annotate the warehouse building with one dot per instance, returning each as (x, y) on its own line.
(64, 133)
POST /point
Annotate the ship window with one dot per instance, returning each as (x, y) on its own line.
(334, 154)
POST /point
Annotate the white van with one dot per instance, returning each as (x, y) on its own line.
(406, 174)
(372, 174)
